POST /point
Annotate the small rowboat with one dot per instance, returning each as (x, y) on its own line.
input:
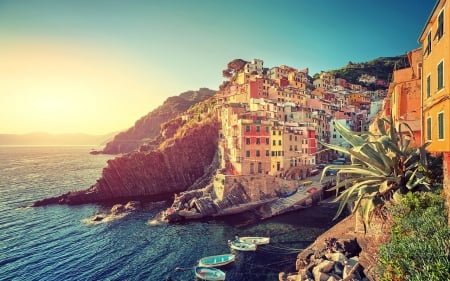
(242, 246)
(209, 273)
(255, 240)
(218, 260)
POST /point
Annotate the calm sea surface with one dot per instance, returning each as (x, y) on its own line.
(55, 243)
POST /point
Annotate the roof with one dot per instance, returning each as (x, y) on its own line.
(430, 17)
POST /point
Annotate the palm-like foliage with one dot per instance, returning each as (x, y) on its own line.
(382, 167)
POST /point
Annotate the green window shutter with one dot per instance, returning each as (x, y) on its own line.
(441, 126)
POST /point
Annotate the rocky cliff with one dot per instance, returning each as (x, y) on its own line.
(184, 158)
(146, 130)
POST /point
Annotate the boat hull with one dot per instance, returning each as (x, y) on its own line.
(242, 246)
(209, 273)
(217, 260)
(255, 240)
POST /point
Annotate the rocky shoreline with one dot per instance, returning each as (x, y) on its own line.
(343, 252)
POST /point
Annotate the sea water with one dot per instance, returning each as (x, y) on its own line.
(55, 242)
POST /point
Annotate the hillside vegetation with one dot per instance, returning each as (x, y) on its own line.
(147, 129)
(381, 68)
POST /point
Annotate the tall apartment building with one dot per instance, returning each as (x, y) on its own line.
(435, 41)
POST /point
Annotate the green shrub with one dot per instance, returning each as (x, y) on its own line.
(419, 248)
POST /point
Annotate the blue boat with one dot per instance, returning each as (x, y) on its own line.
(217, 260)
(209, 273)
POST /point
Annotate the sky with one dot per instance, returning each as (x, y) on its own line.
(97, 66)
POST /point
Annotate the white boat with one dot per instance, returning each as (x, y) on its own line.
(242, 246)
(217, 260)
(209, 273)
(255, 240)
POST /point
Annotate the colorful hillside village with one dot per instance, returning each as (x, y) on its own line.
(275, 120)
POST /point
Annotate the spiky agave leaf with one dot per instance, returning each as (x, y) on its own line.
(368, 161)
(389, 144)
(423, 154)
(404, 146)
(352, 192)
(376, 152)
(336, 147)
(351, 137)
(382, 126)
(388, 163)
(366, 208)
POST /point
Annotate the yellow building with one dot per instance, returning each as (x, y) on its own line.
(435, 43)
(277, 152)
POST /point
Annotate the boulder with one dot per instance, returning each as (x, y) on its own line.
(133, 206)
(117, 209)
(326, 266)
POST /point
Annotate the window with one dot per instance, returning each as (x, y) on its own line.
(428, 48)
(440, 30)
(274, 153)
(441, 125)
(428, 85)
(258, 153)
(258, 128)
(429, 128)
(247, 140)
(247, 153)
(267, 129)
(267, 153)
(279, 142)
(440, 74)
(290, 137)
(247, 128)
(267, 141)
(274, 142)
(279, 133)
(290, 148)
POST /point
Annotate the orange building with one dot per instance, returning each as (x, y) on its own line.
(405, 96)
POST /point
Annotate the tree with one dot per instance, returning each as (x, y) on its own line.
(233, 67)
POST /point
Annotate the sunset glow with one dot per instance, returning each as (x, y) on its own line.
(98, 66)
(63, 89)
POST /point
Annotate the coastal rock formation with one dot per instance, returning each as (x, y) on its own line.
(180, 162)
(200, 203)
(146, 131)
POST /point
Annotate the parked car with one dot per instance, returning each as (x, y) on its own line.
(320, 166)
(331, 172)
(314, 172)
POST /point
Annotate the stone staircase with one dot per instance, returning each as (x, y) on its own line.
(281, 204)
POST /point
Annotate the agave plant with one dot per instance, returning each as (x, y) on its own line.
(382, 167)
